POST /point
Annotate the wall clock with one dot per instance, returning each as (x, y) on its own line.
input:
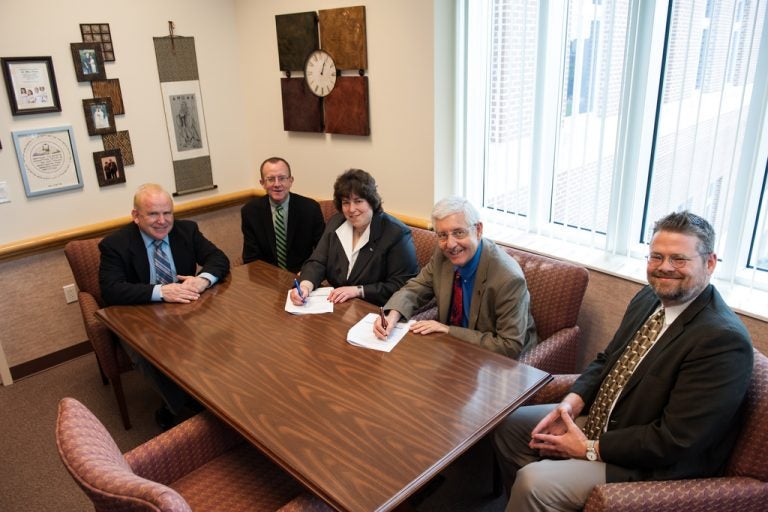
(320, 73)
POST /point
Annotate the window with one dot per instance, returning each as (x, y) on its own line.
(587, 123)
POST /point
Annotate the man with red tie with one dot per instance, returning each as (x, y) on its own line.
(481, 294)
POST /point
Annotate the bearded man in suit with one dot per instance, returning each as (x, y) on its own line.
(661, 402)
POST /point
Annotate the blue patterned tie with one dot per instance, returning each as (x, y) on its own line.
(280, 238)
(163, 273)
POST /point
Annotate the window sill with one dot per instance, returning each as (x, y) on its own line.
(742, 299)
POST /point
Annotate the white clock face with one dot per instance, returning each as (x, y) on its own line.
(320, 73)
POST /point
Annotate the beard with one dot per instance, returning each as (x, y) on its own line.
(675, 288)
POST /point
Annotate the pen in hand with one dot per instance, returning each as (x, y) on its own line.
(383, 318)
(298, 290)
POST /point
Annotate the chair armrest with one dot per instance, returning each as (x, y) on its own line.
(556, 354)
(554, 391)
(702, 494)
(182, 449)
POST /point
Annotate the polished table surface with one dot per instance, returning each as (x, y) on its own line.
(362, 429)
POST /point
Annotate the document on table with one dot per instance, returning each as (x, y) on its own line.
(361, 334)
(316, 303)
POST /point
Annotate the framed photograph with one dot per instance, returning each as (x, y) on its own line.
(48, 160)
(185, 120)
(109, 88)
(89, 61)
(109, 167)
(99, 116)
(99, 33)
(31, 85)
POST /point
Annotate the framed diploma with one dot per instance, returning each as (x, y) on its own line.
(31, 85)
(48, 160)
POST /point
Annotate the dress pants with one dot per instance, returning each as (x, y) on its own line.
(173, 396)
(541, 484)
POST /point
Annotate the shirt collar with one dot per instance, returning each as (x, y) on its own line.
(148, 240)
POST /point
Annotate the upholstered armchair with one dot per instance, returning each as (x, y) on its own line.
(84, 257)
(328, 209)
(200, 464)
(557, 290)
(743, 487)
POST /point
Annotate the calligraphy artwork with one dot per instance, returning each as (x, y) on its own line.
(47, 160)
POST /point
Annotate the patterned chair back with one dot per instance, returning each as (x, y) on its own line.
(95, 462)
(749, 454)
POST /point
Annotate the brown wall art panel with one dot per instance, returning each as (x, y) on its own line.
(302, 110)
(342, 34)
(346, 108)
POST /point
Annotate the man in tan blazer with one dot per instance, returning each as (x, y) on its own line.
(481, 294)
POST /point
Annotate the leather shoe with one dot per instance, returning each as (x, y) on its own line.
(165, 419)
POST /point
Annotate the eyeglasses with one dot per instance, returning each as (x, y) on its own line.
(676, 260)
(457, 234)
(274, 179)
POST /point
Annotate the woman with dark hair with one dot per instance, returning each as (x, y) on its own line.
(363, 252)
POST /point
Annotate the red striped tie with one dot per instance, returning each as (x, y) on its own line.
(457, 301)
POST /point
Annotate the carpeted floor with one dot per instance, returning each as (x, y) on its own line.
(32, 478)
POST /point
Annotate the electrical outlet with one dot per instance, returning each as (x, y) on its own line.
(70, 293)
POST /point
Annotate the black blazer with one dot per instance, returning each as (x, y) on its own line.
(383, 265)
(675, 418)
(305, 227)
(124, 268)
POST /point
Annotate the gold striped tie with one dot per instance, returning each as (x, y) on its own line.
(280, 238)
(620, 373)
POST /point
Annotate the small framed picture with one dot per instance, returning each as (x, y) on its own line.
(109, 167)
(99, 116)
(89, 61)
(47, 160)
(31, 85)
(99, 32)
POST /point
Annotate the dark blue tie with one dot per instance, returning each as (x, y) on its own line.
(163, 273)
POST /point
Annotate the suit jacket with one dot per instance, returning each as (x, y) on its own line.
(499, 315)
(383, 265)
(305, 227)
(124, 268)
(675, 417)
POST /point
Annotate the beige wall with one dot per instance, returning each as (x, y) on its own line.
(240, 82)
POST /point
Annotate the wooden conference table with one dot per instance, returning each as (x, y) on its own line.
(360, 428)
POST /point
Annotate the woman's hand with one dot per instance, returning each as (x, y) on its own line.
(343, 294)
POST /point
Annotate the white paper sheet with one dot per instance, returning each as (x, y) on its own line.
(361, 334)
(317, 303)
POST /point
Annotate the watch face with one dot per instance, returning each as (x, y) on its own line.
(320, 73)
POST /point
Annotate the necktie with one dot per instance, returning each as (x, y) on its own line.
(163, 273)
(280, 238)
(620, 373)
(457, 301)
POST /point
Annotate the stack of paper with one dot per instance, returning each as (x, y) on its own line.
(316, 303)
(361, 334)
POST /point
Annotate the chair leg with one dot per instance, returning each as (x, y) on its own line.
(104, 379)
(117, 385)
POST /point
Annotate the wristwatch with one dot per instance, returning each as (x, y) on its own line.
(591, 452)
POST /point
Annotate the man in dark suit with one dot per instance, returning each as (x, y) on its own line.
(661, 402)
(155, 259)
(303, 220)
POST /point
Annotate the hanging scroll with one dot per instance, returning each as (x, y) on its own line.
(184, 117)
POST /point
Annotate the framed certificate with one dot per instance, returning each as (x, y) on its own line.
(31, 85)
(48, 160)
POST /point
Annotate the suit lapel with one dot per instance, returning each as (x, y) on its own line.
(670, 335)
(138, 254)
(445, 280)
(267, 225)
(481, 276)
